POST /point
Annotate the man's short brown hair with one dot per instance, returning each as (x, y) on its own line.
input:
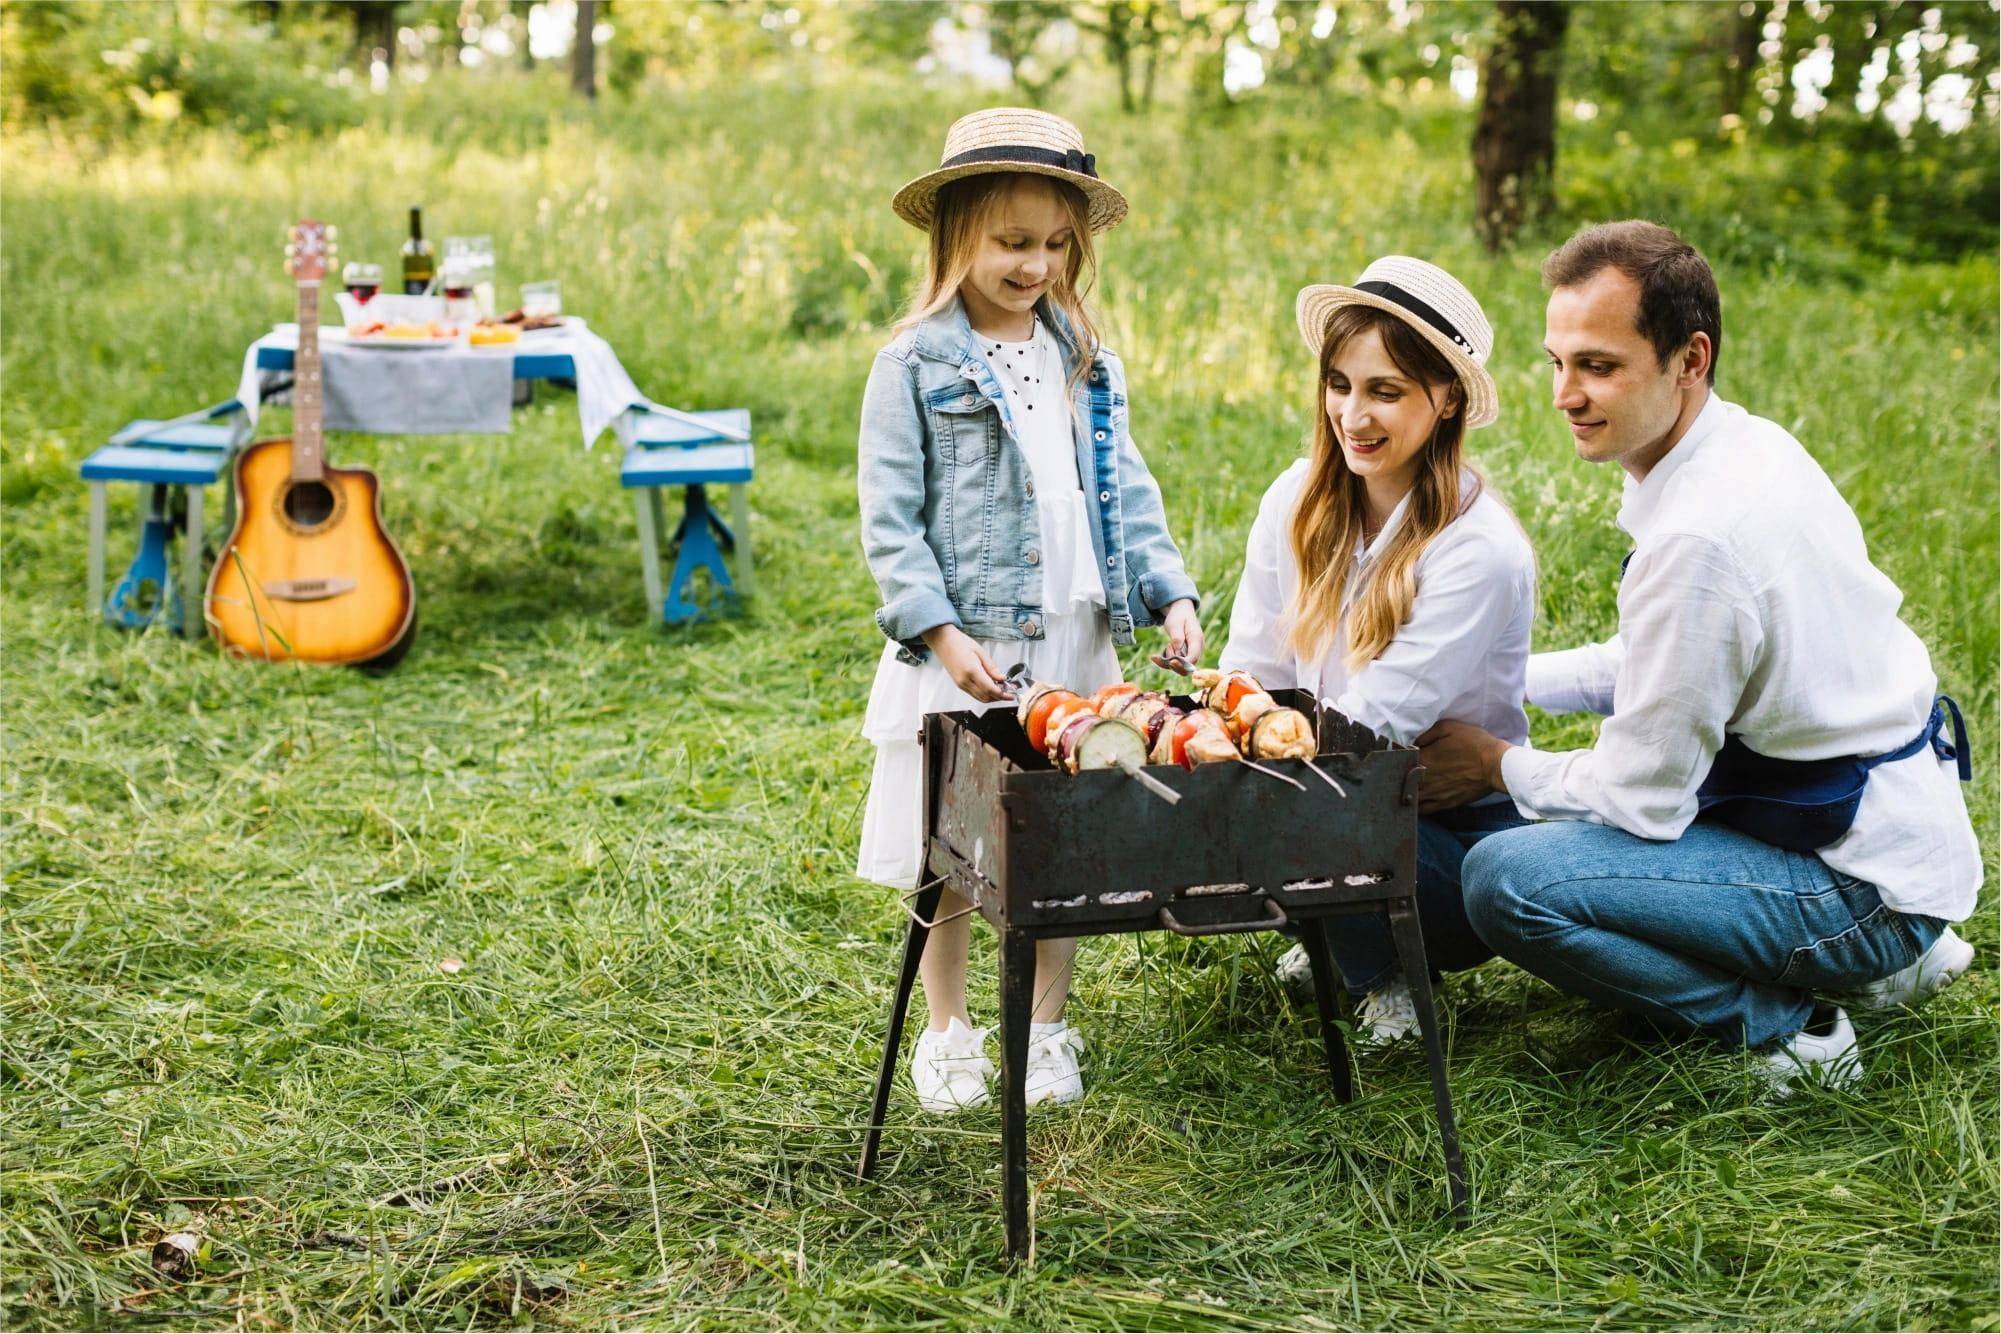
(1678, 293)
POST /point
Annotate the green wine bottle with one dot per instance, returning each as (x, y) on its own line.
(420, 265)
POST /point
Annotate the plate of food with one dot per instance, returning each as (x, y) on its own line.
(406, 334)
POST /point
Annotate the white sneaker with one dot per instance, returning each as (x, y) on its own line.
(1052, 1074)
(1822, 1053)
(1948, 957)
(1386, 1015)
(1294, 967)
(950, 1070)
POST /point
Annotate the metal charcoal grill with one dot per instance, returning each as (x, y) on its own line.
(1040, 853)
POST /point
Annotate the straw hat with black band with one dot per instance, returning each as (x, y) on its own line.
(1434, 304)
(1012, 139)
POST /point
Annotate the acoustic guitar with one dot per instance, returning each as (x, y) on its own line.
(309, 573)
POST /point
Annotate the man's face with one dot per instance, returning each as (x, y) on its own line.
(1621, 403)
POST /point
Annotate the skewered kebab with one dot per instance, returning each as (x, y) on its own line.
(1262, 727)
(1075, 736)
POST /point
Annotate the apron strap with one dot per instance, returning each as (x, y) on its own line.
(1956, 749)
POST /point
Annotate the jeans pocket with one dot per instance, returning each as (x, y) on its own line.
(1871, 946)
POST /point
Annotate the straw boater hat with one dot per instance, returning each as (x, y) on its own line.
(1432, 302)
(1012, 139)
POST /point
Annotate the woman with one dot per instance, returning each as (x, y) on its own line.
(1385, 578)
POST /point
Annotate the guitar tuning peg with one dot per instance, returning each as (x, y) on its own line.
(291, 249)
(333, 232)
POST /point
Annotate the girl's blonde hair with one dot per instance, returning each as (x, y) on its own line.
(965, 209)
(1327, 525)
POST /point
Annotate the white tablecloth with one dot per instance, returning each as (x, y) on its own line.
(432, 391)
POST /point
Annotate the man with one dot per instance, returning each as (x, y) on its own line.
(1760, 677)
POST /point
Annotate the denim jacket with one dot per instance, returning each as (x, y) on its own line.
(949, 518)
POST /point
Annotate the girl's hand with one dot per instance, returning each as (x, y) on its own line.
(1184, 632)
(969, 667)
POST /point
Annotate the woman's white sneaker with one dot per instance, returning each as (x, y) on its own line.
(1823, 1053)
(950, 1069)
(1052, 1074)
(1946, 959)
(1386, 1015)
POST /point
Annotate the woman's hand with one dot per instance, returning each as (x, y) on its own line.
(967, 664)
(1184, 633)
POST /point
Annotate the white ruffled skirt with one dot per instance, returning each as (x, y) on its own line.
(1076, 650)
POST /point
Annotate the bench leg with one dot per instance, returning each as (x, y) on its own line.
(646, 503)
(94, 575)
(740, 520)
(194, 624)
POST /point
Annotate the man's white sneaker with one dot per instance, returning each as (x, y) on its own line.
(1052, 1074)
(1294, 967)
(1386, 1015)
(1822, 1053)
(950, 1070)
(1948, 957)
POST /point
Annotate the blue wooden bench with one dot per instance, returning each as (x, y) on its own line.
(181, 456)
(667, 452)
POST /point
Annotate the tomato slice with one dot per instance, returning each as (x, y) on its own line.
(1038, 717)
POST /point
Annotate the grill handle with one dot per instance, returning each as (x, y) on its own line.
(1274, 917)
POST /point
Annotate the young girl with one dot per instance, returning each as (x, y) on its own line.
(1383, 577)
(1006, 517)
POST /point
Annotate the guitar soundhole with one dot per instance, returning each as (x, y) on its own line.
(310, 504)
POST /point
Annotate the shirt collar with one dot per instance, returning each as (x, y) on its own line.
(1639, 500)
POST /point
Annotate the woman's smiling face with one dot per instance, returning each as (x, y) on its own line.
(1382, 416)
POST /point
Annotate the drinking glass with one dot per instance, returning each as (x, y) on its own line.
(362, 281)
(543, 299)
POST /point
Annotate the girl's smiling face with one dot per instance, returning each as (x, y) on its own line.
(1023, 252)
(1381, 417)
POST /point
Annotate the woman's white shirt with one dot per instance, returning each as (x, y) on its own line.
(1463, 653)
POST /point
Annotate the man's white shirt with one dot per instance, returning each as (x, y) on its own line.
(1462, 653)
(1750, 606)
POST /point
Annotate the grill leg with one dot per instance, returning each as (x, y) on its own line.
(1313, 935)
(926, 908)
(1017, 984)
(1409, 938)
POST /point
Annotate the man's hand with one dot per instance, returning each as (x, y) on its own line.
(1461, 763)
(969, 667)
(1184, 634)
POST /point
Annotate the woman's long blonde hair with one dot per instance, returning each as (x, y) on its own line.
(1327, 525)
(964, 210)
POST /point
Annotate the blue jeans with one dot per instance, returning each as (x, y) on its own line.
(1715, 932)
(1361, 944)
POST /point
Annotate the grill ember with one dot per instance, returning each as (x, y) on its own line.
(1041, 853)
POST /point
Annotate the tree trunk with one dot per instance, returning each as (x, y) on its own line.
(1118, 45)
(584, 56)
(1514, 143)
(521, 10)
(1743, 59)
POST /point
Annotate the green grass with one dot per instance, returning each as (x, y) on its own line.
(228, 888)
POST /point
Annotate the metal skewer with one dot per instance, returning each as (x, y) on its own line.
(1283, 778)
(1152, 784)
(1324, 774)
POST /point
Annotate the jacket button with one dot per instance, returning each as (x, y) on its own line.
(1094, 377)
(1030, 488)
(970, 399)
(1104, 497)
(1101, 435)
(1111, 562)
(1033, 557)
(1031, 627)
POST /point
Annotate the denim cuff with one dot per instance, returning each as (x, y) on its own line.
(906, 619)
(1153, 593)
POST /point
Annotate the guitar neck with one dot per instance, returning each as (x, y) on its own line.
(308, 445)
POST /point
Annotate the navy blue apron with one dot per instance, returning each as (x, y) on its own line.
(1804, 805)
